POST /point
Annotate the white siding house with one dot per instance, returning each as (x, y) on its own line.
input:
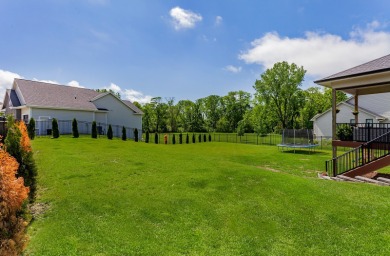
(44, 101)
(372, 109)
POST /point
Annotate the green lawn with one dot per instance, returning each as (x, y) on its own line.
(126, 198)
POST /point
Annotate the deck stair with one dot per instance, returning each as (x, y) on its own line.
(364, 159)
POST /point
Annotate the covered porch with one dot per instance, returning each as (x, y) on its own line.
(369, 78)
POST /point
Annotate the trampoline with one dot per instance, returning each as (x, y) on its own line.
(293, 139)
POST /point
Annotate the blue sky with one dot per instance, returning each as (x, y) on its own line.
(184, 49)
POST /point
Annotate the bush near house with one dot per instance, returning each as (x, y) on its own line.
(56, 132)
(109, 132)
(124, 137)
(136, 135)
(180, 138)
(75, 129)
(31, 128)
(147, 137)
(94, 130)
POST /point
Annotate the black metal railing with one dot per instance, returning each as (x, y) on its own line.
(364, 154)
(365, 131)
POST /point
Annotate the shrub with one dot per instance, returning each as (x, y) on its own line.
(344, 132)
(193, 138)
(210, 137)
(136, 135)
(204, 138)
(109, 132)
(13, 193)
(200, 138)
(147, 137)
(56, 132)
(173, 139)
(94, 130)
(187, 139)
(180, 138)
(156, 138)
(31, 128)
(75, 129)
(124, 137)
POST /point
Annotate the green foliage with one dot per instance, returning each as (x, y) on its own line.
(199, 138)
(156, 138)
(278, 88)
(116, 94)
(147, 137)
(193, 138)
(124, 136)
(173, 139)
(204, 138)
(12, 140)
(210, 137)
(136, 135)
(31, 128)
(187, 139)
(94, 130)
(109, 133)
(75, 129)
(344, 132)
(56, 131)
(180, 138)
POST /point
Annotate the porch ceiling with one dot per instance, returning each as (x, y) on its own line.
(361, 84)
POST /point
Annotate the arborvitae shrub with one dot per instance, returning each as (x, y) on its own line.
(13, 193)
(193, 138)
(75, 129)
(156, 138)
(94, 130)
(109, 132)
(136, 135)
(200, 138)
(187, 139)
(204, 138)
(210, 137)
(31, 128)
(147, 137)
(180, 138)
(56, 132)
(124, 137)
(173, 139)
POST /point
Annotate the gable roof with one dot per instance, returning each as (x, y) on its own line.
(375, 103)
(132, 106)
(375, 66)
(48, 95)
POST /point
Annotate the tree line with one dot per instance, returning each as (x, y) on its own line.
(279, 102)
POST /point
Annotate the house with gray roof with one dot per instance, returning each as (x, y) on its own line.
(373, 108)
(44, 101)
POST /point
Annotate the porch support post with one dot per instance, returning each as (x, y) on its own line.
(334, 148)
(356, 108)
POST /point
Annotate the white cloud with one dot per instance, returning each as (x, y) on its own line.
(233, 69)
(134, 95)
(46, 81)
(6, 80)
(74, 83)
(321, 54)
(218, 20)
(113, 87)
(184, 19)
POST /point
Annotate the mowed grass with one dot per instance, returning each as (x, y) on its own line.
(126, 198)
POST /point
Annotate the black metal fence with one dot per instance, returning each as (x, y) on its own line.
(44, 127)
(366, 131)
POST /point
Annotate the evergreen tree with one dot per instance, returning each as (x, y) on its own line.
(94, 130)
(180, 138)
(187, 139)
(75, 129)
(204, 138)
(147, 136)
(200, 137)
(173, 139)
(156, 138)
(193, 138)
(56, 132)
(109, 132)
(31, 128)
(210, 137)
(136, 135)
(124, 137)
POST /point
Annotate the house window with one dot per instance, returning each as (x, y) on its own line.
(369, 121)
(352, 121)
(25, 118)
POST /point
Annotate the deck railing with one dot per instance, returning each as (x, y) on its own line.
(366, 131)
(365, 153)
